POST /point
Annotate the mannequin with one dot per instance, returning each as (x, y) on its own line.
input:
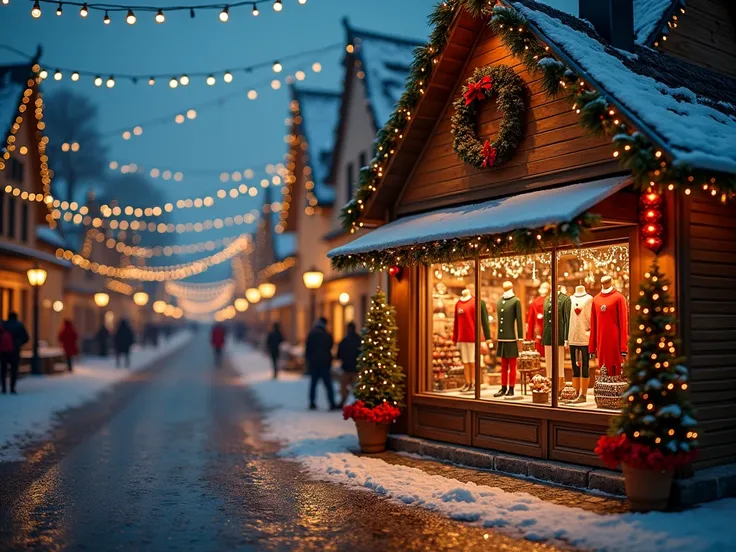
(535, 318)
(463, 333)
(578, 338)
(609, 327)
(510, 332)
(563, 328)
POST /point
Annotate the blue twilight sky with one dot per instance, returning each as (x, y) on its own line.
(240, 134)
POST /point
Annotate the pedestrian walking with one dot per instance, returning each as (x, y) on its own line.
(347, 354)
(124, 339)
(217, 338)
(68, 338)
(273, 345)
(13, 337)
(102, 337)
(318, 355)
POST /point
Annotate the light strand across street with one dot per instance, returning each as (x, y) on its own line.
(178, 174)
(196, 291)
(160, 250)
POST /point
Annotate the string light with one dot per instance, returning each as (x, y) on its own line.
(159, 250)
(36, 10)
(198, 292)
(160, 17)
(178, 174)
(84, 12)
(277, 67)
(224, 15)
(106, 19)
(278, 5)
(255, 10)
(228, 77)
(59, 10)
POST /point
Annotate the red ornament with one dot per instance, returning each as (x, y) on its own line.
(652, 230)
(477, 90)
(649, 216)
(654, 244)
(489, 155)
(651, 199)
(394, 271)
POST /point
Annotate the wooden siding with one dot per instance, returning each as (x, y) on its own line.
(709, 316)
(555, 147)
(705, 35)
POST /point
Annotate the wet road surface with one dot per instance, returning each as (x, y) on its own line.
(173, 459)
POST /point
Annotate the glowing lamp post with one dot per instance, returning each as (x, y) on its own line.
(267, 290)
(313, 281)
(102, 300)
(36, 277)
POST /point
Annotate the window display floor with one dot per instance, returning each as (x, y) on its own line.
(487, 392)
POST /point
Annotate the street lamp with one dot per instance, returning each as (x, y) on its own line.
(344, 298)
(313, 281)
(36, 277)
(253, 295)
(101, 300)
(267, 290)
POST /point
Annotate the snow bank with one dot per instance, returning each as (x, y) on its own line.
(321, 441)
(31, 414)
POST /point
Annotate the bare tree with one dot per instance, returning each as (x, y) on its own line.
(72, 118)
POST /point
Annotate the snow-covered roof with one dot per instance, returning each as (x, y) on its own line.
(690, 110)
(29, 252)
(650, 17)
(386, 61)
(13, 80)
(529, 210)
(319, 111)
(284, 245)
(50, 236)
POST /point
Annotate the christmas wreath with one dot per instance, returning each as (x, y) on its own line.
(508, 87)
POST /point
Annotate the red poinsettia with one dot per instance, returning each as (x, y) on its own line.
(382, 414)
(477, 90)
(617, 449)
(489, 155)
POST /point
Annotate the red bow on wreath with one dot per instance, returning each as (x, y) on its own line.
(476, 90)
(489, 155)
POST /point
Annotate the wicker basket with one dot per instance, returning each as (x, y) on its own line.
(608, 390)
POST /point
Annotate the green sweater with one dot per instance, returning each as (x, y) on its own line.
(510, 326)
(563, 319)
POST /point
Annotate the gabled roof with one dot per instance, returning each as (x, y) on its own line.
(650, 18)
(319, 111)
(689, 110)
(13, 82)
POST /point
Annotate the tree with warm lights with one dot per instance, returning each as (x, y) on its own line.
(656, 427)
(380, 390)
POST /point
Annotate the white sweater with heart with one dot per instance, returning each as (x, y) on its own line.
(579, 334)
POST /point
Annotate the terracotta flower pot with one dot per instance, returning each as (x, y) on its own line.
(647, 490)
(540, 398)
(371, 436)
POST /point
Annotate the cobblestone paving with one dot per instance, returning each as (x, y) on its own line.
(555, 494)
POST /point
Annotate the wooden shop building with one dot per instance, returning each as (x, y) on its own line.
(632, 105)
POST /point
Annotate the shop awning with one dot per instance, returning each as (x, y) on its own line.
(283, 300)
(530, 210)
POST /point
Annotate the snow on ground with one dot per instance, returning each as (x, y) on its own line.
(321, 441)
(31, 414)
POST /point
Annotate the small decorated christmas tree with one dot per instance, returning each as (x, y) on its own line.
(656, 428)
(379, 392)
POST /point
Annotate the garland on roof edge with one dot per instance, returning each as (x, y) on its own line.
(634, 150)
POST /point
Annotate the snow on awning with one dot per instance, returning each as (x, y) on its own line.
(283, 300)
(530, 210)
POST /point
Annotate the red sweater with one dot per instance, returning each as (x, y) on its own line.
(609, 330)
(463, 330)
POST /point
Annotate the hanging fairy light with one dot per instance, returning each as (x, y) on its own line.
(224, 14)
(59, 10)
(106, 19)
(173, 83)
(278, 5)
(211, 80)
(255, 10)
(75, 76)
(57, 75)
(228, 77)
(184, 80)
(160, 17)
(84, 11)
(36, 10)
(277, 67)
(110, 82)
(98, 81)
(130, 19)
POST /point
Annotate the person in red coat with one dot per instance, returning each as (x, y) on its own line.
(217, 339)
(68, 338)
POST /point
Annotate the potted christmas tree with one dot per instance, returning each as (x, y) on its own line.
(655, 432)
(379, 393)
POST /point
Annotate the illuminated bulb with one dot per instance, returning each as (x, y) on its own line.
(316, 67)
(106, 19)
(57, 75)
(36, 10)
(252, 94)
(255, 11)
(43, 74)
(277, 6)
(75, 76)
(184, 80)
(277, 67)
(84, 11)
(275, 84)
(130, 19)
(173, 83)
(224, 15)
(299, 75)
(302, 2)
(151, 81)
(227, 77)
(59, 10)
(98, 81)
(110, 82)
(160, 17)
(211, 80)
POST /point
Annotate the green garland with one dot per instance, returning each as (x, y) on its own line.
(641, 157)
(485, 83)
(522, 241)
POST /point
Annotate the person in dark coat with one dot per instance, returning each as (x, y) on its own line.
(12, 338)
(217, 339)
(318, 355)
(68, 338)
(124, 339)
(273, 345)
(102, 337)
(347, 354)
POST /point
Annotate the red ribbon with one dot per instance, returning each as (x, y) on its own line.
(476, 90)
(489, 155)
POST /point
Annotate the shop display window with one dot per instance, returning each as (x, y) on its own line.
(515, 329)
(596, 281)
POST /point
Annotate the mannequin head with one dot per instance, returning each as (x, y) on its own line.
(606, 281)
(507, 285)
(580, 290)
(563, 290)
(544, 289)
(470, 288)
